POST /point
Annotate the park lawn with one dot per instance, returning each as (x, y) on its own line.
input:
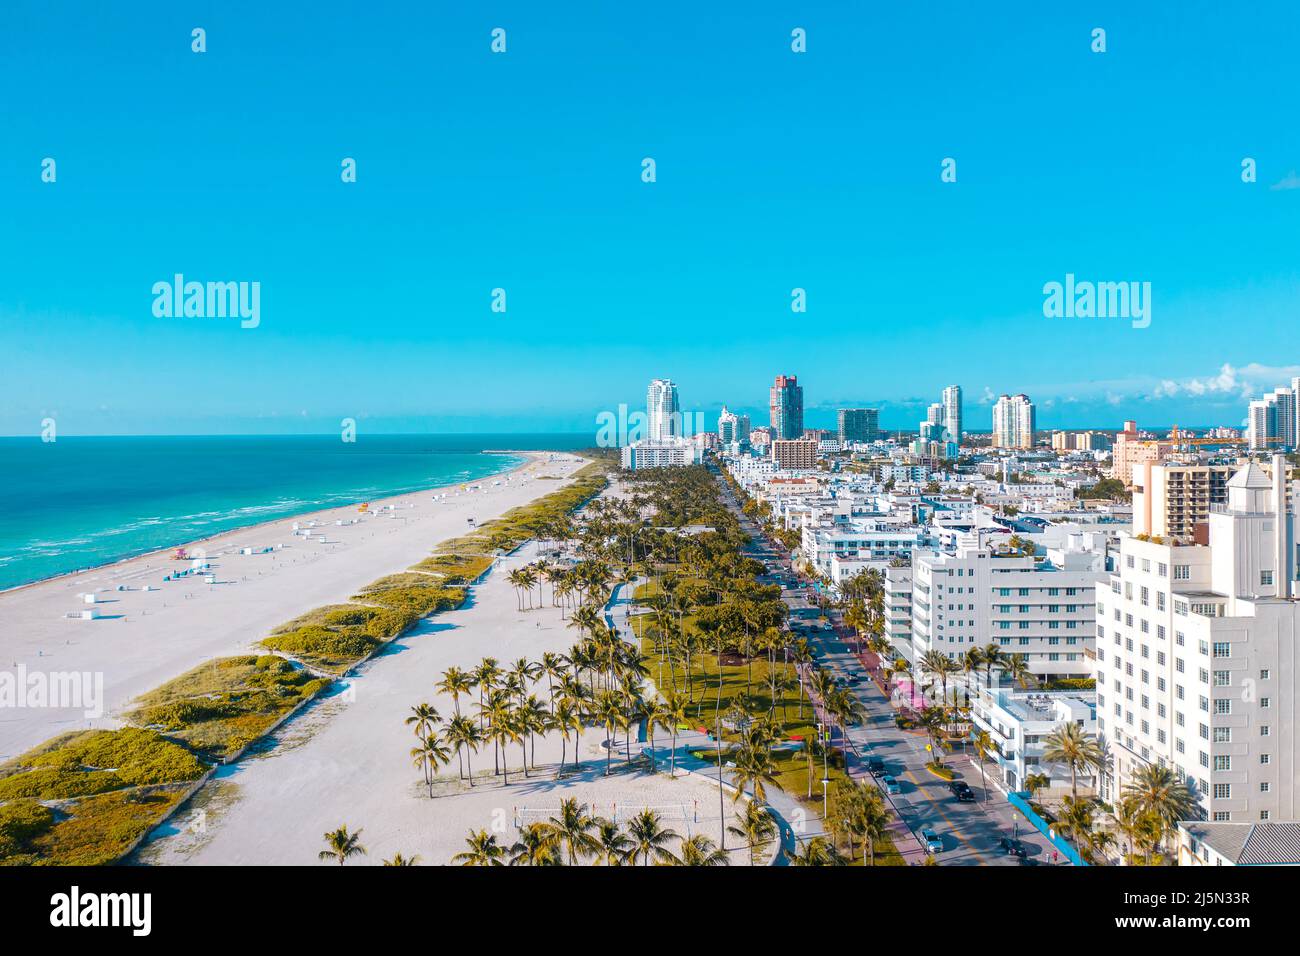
(704, 684)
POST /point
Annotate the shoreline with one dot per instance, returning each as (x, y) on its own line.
(146, 631)
(138, 555)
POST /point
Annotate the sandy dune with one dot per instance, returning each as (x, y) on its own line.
(145, 638)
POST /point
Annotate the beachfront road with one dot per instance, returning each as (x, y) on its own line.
(970, 831)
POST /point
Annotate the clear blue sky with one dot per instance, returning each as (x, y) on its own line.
(522, 171)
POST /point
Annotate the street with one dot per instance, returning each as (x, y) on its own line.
(970, 832)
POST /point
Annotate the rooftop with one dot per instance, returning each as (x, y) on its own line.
(1250, 844)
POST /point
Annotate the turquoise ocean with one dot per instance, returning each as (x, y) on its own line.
(80, 502)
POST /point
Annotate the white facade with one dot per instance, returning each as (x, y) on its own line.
(952, 411)
(661, 454)
(1041, 610)
(1018, 722)
(1196, 661)
(1013, 422)
(663, 416)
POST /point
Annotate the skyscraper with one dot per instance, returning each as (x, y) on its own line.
(1273, 421)
(859, 424)
(952, 411)
(1013, 422)
(663, 416)
(786, 405)
(732, 427)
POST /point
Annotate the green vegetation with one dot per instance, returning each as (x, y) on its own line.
(222, 706)
(1111, 488)
(453, 569)
(110, 785)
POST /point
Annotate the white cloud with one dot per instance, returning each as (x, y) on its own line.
(1289, 181)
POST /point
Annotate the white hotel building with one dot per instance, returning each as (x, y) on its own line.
(1040, 608)
(1196, 658)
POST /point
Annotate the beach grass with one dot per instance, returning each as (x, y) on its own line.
(83, 798)
(222, 706)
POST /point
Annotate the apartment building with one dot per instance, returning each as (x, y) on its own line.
(1170, 500)
(794, 455)
(1196, 657)
(898, 608)
(1040, 608)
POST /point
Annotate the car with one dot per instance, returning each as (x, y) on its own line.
(891, 783)
(1012, 847)
(931, 840)
(876, 767)
(962, 791)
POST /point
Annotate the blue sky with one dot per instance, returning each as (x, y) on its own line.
(522, 171)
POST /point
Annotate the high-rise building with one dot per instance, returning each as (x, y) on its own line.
(786, 404)
(663, 417)
(1013, 422)
(1273, 421)
(732, 427)
(952, 411)
(859, 424)
(934, 415)
(1195, 662)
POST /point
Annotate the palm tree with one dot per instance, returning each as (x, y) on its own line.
(609, 711)
(675, 715)
(455, 682)
(399, 860)
(756, 827)
(568, 720)
(984, 746)
(650, 838)
(485, 678)
(1017, 668)
(992, 655)
(754, 768)
(612, 844)
(571, 830)
(1071, 745)
(464, 737)
(1156, 793)
(424, 718)
(933, 719)
(341, 845)
(483, 850)
(1036, 782)
(818, 852)
(429, 755)
(535, 847)
(699, 850)
(939, 664)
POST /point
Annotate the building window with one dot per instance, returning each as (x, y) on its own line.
(1222, 763)
(1223, 791)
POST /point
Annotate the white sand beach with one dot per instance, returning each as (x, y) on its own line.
(345, 760)
(144, 638)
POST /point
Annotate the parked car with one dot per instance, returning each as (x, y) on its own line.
(1012, 847)
(931, 840)
(962, 791)
(891, 783)
(875, 767)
